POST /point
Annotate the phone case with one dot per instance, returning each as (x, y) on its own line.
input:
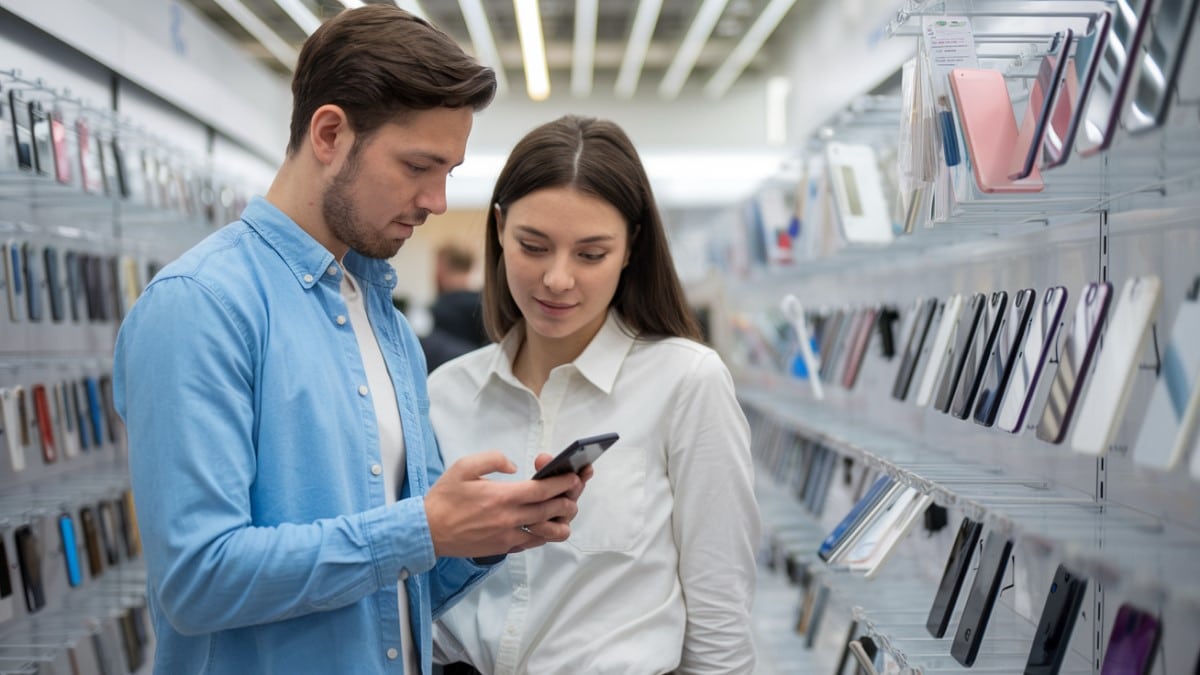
(95, 410)
(1045, 89)
(893, 535)
(7, 600)
(82, 419)
(39, 124)
(957, 565)
(914, 344)
(1106, 97)
(1010, 338)
(108, 534)
(91, 173)
(58, 146)
(1159, 63)
(64, 419)
(837, 346)
(1074, 360)
(979, 350)
(1170, 420)
(936, 363)
(836, 539)
(35, 282)
(66, 530)
(10, 402)
(22, 130)
(858, 194)
(129, 525)
(29, 559)
(1070, 106)
(91, 540)
(45, 423)
(1132, 644)
(54, 283)
(956, 354)
(14, 280)
(1104, 405)
(112, 420)
(1053, 635)
(990, 129)
(885, 321)
(858, 346)
(1030, 361)
(76, 300)
(984, 591)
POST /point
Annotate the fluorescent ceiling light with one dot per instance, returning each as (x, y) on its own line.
(635, 49)
(280, 49)
(410, 6)
(745, 50)
(351, 4)
(689, 49)
(533, 49)
(481, 37)
(585, 46)
(302, 15)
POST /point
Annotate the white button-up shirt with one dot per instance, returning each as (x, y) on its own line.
(659, 572)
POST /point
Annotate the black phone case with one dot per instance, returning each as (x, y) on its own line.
(957, 356)
(913, 349)
(979, 349)
(29, 559)
(53, 283)
(1006, 348)
(1068, 385)
(1057, 622)
(981, 601)
(957, 564)
(6, 588)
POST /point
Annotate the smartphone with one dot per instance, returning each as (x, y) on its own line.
(1063, 602)
(58, 146)
(864, 651)
(112, 420)
(1046, 87)
(826, 336)
(66, 530)
(29, 559)
(1010, 336)
(990, 129)
(45, 423)
(54, 283)
(108, 534)
(886, 322)
(822, 477)
(34, 282)
(1074, 359)
(39, 124)
(75, 290)
(914, 344)
(858, 197)
(1105, 100)
(90, 170)
(979, 350)
(956, 353)
(1031, 358)
(1159, 64)
(96, 410)
(858, 346)
(876, 545)
(982, 599)
(1170, 419)
(10, 401)
(14, 280)
(939, 346)
(837, 346)
(957, 565)
(7, 601)
(22, 130)
(91, 541)
(65, 418)
(1083, 59)
(82, 420)
(94, 287)
(1132, 644)
(1102, 407)
(837, 539)
(577, 456)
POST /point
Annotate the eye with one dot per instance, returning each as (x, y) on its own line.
(593, 256)
(531, 248)
(416, 168)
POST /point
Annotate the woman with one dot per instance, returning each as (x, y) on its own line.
(594, 336)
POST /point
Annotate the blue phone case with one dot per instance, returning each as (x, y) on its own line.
(66, 528)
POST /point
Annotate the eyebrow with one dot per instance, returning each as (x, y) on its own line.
(432, 157)
(596, 239)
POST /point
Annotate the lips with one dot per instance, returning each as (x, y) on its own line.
(554, 307)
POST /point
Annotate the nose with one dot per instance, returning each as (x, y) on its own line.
(559, 277)
(433, 198)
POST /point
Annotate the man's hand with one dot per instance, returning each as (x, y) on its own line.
(470, 516)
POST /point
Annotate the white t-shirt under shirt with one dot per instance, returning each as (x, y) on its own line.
(391, 433)
(659, 571)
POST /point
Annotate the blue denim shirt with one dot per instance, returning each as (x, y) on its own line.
(254, 457)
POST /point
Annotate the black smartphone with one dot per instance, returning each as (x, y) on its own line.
(964, 334)
(22, 130)
(913, 345)
(886, 322)
(29, 559)
(984, 591)
(39, 124)
(577, 456)
(1057, 622)
(1133, 642)
(54, 283)
(1031, 359)
(978, 351)
(1074, 360)
(95, 410)
(1010, 335)
(952, 579)
(70, 547)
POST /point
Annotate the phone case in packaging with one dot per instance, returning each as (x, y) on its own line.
(1170, 420)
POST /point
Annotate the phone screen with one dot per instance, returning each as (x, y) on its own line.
(1082, 61)
(1159, 63)
(1056, 624)
(914, 343)
(1105, 99)
(577, 456)
(952, 578)
(1132, 644)
(984, 591)
(980, 349)
(1031, 359)
(1010, 335)
(1171, 416)
(1073, 361)
(964, 334)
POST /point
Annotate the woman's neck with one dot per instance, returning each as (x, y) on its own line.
(538, 355)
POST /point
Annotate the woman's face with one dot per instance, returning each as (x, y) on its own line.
(563, 254)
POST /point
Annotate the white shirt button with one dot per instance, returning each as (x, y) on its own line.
(308, 278)
(403, 574)
(392, 654)
(376, 469)
(341, 320)
(362, 390)
(387, 277)
(332, 270)
(512, 630)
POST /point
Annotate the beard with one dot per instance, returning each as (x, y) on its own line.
(340, 212)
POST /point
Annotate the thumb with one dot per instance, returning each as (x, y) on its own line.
(480, 464)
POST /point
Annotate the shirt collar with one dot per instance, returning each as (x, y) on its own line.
(306, 257)
(599, 363)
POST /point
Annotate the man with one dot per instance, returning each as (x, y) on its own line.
(294, 510)
(457, 311)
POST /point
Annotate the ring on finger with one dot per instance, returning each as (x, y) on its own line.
(526, 530)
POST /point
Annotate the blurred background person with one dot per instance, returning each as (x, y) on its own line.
(457, 312)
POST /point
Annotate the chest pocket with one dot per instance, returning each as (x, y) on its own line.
(612, 510)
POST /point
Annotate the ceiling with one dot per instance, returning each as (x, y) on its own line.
(721, 40)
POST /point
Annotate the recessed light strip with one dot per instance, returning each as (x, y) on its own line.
(585, 46)
(745, 50)
(635, 49)
(302, 15)
(410, 6)
(689, 49)
(533, 49)
(481, 37)
(279, 48)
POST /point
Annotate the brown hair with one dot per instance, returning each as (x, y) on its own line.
(594, 157)
(377, 63)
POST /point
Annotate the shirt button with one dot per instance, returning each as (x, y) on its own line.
(392, 654)
(308, 278)
(512, 630)
(341, 320)
(376, 469)
(362, 390)
(403, 574)
(387, 277)
(332, 270)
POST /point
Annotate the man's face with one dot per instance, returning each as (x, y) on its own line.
(392, 180)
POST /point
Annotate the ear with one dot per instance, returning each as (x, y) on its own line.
(633, 235)
(496, 211)
(329, 133)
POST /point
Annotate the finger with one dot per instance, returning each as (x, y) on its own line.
(480, 464)
(541, 460)
(550, 530)
(548, 488)
(584, 477)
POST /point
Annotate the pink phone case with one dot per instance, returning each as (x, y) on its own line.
(990, 128)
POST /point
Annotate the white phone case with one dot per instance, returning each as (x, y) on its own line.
(65, 426)
(9, 400)
(1171, 417)
(858, 193)
(1106, 396)
(941, 344)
